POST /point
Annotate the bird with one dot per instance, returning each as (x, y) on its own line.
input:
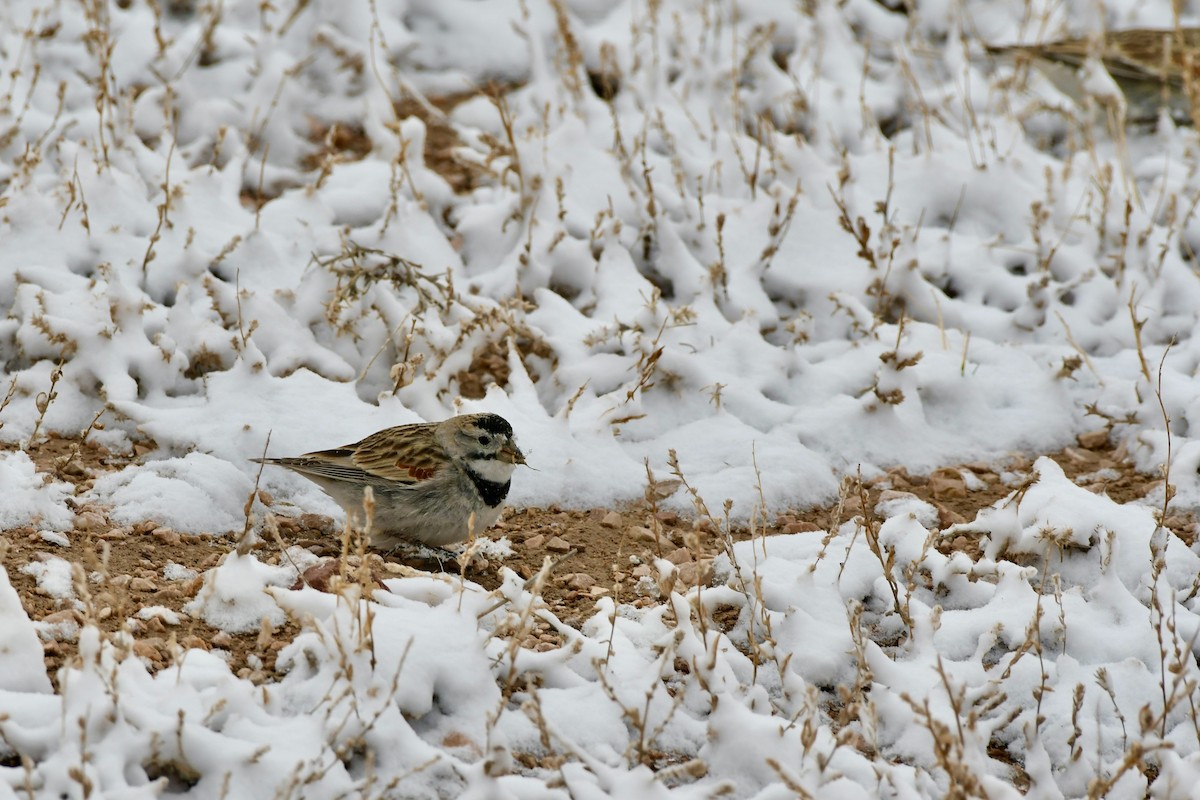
(434, 483)
(1154, 68)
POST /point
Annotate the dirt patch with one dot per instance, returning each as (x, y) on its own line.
(441, 140)
(140, 577)
(341, 142)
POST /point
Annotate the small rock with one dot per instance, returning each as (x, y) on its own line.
(142, 585)
(145, 526)
(641, 571)
(536, 542)
(667, 517)
(147, 651)
(557, 544)
(611, 520)
(73, 469)
(318, 522)
(55, 538)
(66, 615)
(222, 639)
(947, 516)
(115, 534)
(800, 527)
(166, 536)
(680, 556)
(319, 575)
(599, 591)
(193, 643)
(89, 521)
(641, 534)
(947, 483)
(1093, 440)
(169, 593)
(696, 573)
(579, 580)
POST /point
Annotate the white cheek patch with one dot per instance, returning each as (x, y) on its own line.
(492, 469)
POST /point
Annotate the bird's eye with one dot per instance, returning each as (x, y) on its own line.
(483, 440)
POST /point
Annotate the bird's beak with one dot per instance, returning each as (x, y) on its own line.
(511, 454)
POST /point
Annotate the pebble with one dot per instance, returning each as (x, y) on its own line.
(142, 585)
(193, 643)
(800, 527)
(680, 556)
(222, 639)
(947, 482)
(1093, 440)
(947, 516)
(695, 573)
(642, 534)
(318, 522)
(89, 521)
(535, 542)
(166, 536)
(611, 520)
(55, 538)
(147, 651)
(557, 544)
(579, 580)
(66, 615)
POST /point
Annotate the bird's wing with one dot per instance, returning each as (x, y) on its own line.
(406, 454)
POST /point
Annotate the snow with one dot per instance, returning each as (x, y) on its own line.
(30, 500)
(800, 240)
(21, 667)
(53, 575)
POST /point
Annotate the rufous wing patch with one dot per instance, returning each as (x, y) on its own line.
(417, 473)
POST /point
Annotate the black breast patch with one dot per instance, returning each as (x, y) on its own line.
(490, 492)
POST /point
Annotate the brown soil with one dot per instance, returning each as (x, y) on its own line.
(340, 142)
(590, 553)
